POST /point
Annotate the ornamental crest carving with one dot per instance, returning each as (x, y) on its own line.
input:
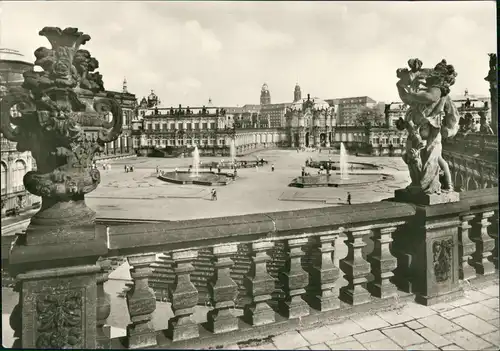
(59, 320)
(442, 251)
(57, 106)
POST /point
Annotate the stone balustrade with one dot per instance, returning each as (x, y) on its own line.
(286, 263)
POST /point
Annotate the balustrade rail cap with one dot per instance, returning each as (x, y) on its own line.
(135, 238)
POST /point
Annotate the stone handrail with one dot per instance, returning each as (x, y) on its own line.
(277, 269)
(302, 244)
(136, 239)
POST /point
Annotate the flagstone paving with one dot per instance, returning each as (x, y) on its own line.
(472, 326)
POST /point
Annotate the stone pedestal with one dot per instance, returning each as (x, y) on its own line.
(58, 293)
(415, 196)
(57, 308)
(436, 260)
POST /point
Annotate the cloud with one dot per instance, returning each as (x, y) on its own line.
(205, 38)
(249, 35)
(190, 51)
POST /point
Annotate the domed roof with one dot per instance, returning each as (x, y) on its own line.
(320, 103)
(265, 87)
(152, 96)
(317, 104)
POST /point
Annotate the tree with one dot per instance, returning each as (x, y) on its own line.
(371, 116)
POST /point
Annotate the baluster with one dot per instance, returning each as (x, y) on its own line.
(324, 274)
(141, 303)
(494, 235)
(467, 248)
(356, 269)
(260, 285)
(183, 297)
(223, 291)
(103, 307)
(382, 264)
(484, 245)
(294, 281)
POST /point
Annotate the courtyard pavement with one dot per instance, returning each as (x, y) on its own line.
(141, 195)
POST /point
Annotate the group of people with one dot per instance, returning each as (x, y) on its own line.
(105, 166)
(131, 168)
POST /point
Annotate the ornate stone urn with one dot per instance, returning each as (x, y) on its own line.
(64, 122)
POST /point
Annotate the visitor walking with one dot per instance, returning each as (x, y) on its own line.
(272, 167)
(214, 195)
(348, 198)
(157, 170)
(303, 171)
(131, 168)
(218, 169)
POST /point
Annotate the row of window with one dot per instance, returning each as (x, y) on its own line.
(180, 142)
(387, 141)
(17, 174)
(172, 126)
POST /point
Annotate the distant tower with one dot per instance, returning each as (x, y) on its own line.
(265, 95)
(124, 89)
(297, 94)
(153, 100)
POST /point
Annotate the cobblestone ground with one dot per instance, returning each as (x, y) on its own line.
(142, 195)
(470, 323)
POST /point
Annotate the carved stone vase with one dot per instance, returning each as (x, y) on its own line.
(64, 121)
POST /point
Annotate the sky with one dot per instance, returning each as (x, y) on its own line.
(189, 52)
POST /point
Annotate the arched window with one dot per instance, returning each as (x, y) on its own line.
(18, 173)
(4, 178)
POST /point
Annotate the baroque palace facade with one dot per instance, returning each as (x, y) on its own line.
(173, 131)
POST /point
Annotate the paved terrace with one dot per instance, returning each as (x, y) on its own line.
(141, 195)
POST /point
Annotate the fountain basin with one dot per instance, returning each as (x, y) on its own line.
(335, 165)
(333, 180)
(203, 178)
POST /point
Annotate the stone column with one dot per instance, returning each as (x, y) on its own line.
(466, 249)
(294, 280)
(356, 268)
(183, 297)
(223, 291)
(103, 307)
(485, 244)
(260, 285)
(382, 263)
(324, 274)
(141, 302)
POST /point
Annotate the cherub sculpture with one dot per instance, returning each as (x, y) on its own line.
(430, 117)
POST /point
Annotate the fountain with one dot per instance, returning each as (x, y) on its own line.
(344, 165)
(195, 176)
(232, 151)
(196, 162)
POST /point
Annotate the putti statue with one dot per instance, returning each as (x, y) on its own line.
(431, 116)
(58, 105)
